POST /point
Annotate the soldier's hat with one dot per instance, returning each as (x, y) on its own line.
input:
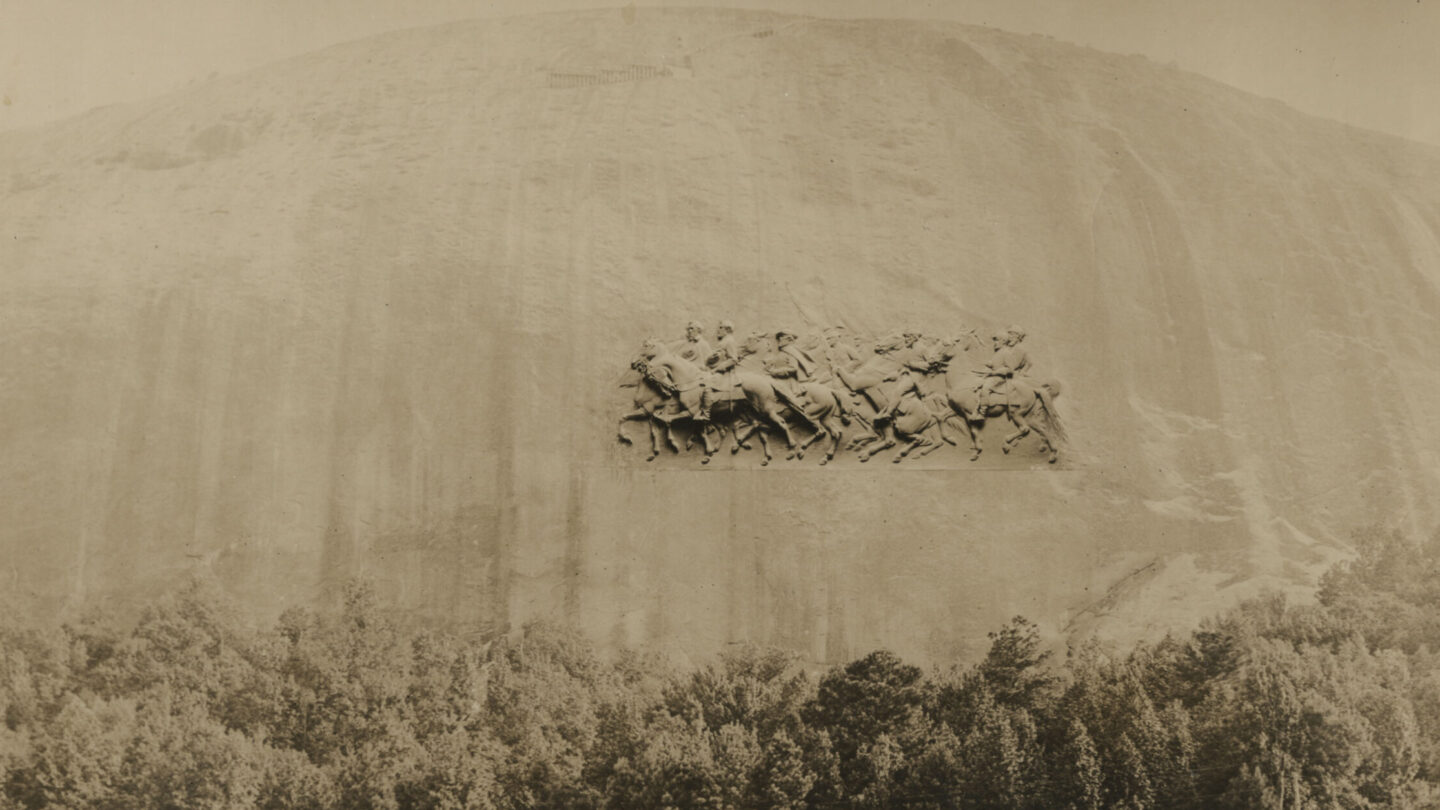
(694, 325)
(1016, 331)
(726, 324)
(784, 333)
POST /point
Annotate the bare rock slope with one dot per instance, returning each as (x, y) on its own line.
(363, 312)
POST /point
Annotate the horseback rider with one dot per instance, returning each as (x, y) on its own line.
(789, 367)
(805, 365)
(727, 349)
(1008, 361)
(694, 348)
(915, 355)
(1016, 358)
(840, 350)
(724, 381)
(901, 357)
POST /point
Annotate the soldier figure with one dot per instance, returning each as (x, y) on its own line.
(787, 369)
(1015, 357)
(727, 350)
(1009, 359)
(694, 348)
(722, 363)
(805, 365)
(911, 354)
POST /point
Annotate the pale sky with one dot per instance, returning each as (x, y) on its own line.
(1374, 63)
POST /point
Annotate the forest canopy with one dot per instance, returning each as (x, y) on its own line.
(1334, 704)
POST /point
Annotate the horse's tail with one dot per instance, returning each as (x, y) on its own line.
(940, 425)
(632, 378)
(861, 379)
(1046, 393)
(951, 415)
(865, 423)
(841, 407)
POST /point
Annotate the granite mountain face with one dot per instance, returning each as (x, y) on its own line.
(363, 313)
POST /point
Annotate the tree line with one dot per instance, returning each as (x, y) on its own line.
(1333, 704)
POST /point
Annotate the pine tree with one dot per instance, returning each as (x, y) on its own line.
(1076, 772)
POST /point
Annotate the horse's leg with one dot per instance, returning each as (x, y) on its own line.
(873, 397)
(836, 433)
(730, 425)
(858, 443)
(889, 441)
(638, 413)
(910, 444)
(763, 400)
(751, 428)
(1022, 428)
(885, 445)
(809, 420)
(690, 400)
(712, 427)
(878, 400)
(654, 439)
(799, 452)
(940, 428)
(917, 441)
(722, 419)
(670, 433)
(870, 435)
(1047, 444)
(839, 408)
(667, 418)
(764, 443)
(742, 419)
(811, 439)
(959, 410)
(824, 433)
(706, 429)
(930, 445)
(773, 411)
(796, 405)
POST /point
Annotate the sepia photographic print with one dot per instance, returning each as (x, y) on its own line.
(916, 404)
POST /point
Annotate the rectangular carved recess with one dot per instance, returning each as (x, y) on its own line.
(632, 73)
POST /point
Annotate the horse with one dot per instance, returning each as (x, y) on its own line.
(679, 380)
(1028, 404)
(650, 401)
(817, 404)
(876, 382)
(913, 416)
(735, 413)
